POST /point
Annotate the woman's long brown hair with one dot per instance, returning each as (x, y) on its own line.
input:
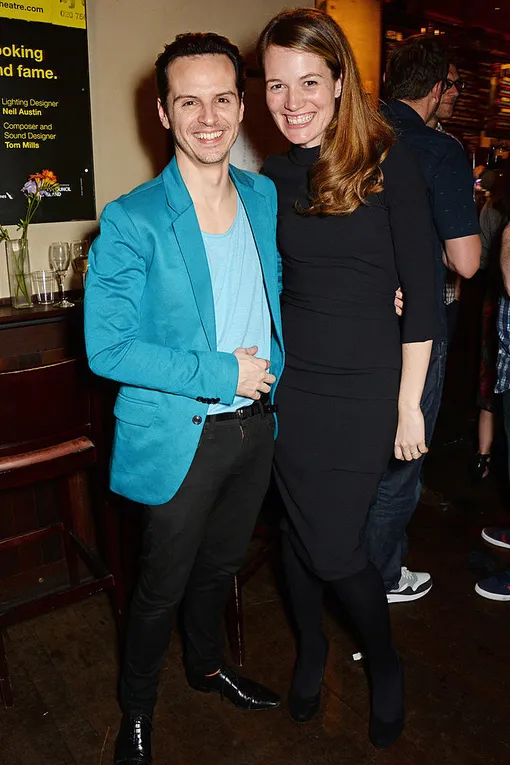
(358, 138)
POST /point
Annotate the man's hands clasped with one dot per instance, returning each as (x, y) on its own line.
(254, 378)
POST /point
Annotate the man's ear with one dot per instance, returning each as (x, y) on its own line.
(437, 91)
(241, 109)
(163, 116)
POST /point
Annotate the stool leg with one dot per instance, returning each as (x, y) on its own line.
(111, 526)
(235, 622)
(5, 680)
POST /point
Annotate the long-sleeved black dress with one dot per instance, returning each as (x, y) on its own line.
(338, 395)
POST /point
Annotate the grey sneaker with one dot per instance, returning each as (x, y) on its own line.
(413, 585)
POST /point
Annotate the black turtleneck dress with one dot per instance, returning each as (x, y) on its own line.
(337, 399)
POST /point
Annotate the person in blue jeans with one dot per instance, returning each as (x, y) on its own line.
(416, 78)
(497, 587)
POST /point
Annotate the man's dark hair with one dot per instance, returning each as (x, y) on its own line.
(415, 66)
(197, 44)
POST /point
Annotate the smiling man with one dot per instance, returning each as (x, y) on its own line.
(182, 309)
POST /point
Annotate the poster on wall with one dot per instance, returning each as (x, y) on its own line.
(45, 108)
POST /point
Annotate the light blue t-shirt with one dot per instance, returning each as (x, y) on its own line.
(240, 302)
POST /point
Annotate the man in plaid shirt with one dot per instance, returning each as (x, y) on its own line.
(498, 587)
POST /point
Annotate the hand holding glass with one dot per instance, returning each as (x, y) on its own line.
(59, 261)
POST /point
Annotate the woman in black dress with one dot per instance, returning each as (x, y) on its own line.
(353, 224)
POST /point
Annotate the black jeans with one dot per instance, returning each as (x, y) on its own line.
(400, 486)
(192, 547)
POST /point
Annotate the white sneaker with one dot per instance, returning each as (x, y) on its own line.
(412, 586)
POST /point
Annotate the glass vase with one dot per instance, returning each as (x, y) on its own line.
(18, 270)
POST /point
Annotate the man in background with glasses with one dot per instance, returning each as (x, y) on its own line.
(453, 87)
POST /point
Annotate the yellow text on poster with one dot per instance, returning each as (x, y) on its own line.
(66, 13)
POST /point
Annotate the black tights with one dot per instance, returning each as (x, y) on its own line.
(363, 597)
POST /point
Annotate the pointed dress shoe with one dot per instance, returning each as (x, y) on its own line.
(241, 691)
(133, 745)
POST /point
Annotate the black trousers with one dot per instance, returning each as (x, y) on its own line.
(192, 547)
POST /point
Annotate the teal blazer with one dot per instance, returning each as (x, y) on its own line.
(149, 324)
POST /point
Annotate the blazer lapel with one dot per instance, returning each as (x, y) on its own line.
(258, 213)
(191, 245)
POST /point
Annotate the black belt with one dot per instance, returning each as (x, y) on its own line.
(258, 407)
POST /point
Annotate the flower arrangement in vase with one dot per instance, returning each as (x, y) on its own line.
(39, 185)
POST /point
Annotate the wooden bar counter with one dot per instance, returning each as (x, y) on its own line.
(40, 335)
(31, 338)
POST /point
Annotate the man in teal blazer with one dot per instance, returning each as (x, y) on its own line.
(182, 308)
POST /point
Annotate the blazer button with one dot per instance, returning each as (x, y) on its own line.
(196, 420)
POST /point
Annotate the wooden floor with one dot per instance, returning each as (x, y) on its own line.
(454, 645)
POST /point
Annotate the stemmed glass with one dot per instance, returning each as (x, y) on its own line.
(59, 262)
(80, 260)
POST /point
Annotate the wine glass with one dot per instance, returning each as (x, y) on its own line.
(59, 261)
(80, 260)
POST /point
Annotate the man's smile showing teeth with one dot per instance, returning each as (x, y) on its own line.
(209, 136)
(299, 119)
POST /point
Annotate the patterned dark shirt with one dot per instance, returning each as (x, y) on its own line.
(503, 362)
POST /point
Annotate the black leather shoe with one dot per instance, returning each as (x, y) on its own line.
(241, 691)
(133, 745)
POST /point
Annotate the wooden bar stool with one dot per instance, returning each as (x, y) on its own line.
(46, 435)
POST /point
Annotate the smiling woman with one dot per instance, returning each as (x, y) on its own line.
(306, 72)
(353, 223)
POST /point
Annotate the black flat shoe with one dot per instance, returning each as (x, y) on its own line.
(241, 691)
(133, 745)
(302, 710)
(384, 733)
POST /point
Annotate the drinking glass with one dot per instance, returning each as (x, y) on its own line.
(59, 261)
(43, 286)
(80, 260)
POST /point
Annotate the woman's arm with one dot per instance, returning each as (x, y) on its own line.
(415, 244)
(410, 438)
